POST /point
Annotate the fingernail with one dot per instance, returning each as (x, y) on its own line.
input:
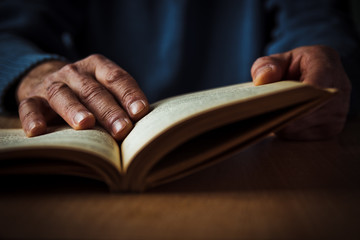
(35, 128)
(137, 107)
(33, 125)
(261, 71)
(119, 125)
(80, 116)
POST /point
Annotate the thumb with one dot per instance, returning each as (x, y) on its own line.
(270, 69)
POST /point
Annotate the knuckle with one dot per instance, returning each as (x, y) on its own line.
(28, 115)
(115, 76)
(26, 102)
(71, 108)
(89, 92)
(109, 114)
(95, 57)
(129, 94)
(69, 68)
(27, 108)
(83, 81)
(53, 89)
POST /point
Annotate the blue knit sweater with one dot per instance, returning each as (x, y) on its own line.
(168, 46)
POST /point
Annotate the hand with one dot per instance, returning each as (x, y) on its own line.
(318, 66)
(91, 89)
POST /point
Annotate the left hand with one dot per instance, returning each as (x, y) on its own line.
(319, 66)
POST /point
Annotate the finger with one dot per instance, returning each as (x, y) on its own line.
(270, 68)
(121, 84)
(31, 114)
(63, 101)
(98, 100)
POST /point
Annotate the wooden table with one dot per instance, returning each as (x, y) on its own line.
(273, 190)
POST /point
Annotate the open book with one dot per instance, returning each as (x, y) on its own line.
(180, 135)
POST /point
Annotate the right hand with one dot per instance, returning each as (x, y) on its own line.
(319, 66)
(91, 89)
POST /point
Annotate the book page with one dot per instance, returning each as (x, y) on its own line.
(211, 146)
(172, 111)
(94, 141)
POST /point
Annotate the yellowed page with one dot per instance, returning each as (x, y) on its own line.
(213, 145)
(94, 141)
(171, 111)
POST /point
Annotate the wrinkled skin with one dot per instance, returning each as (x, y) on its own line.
(92, 89)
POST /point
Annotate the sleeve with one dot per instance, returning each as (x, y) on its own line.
(312, 22)
(32, 32)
